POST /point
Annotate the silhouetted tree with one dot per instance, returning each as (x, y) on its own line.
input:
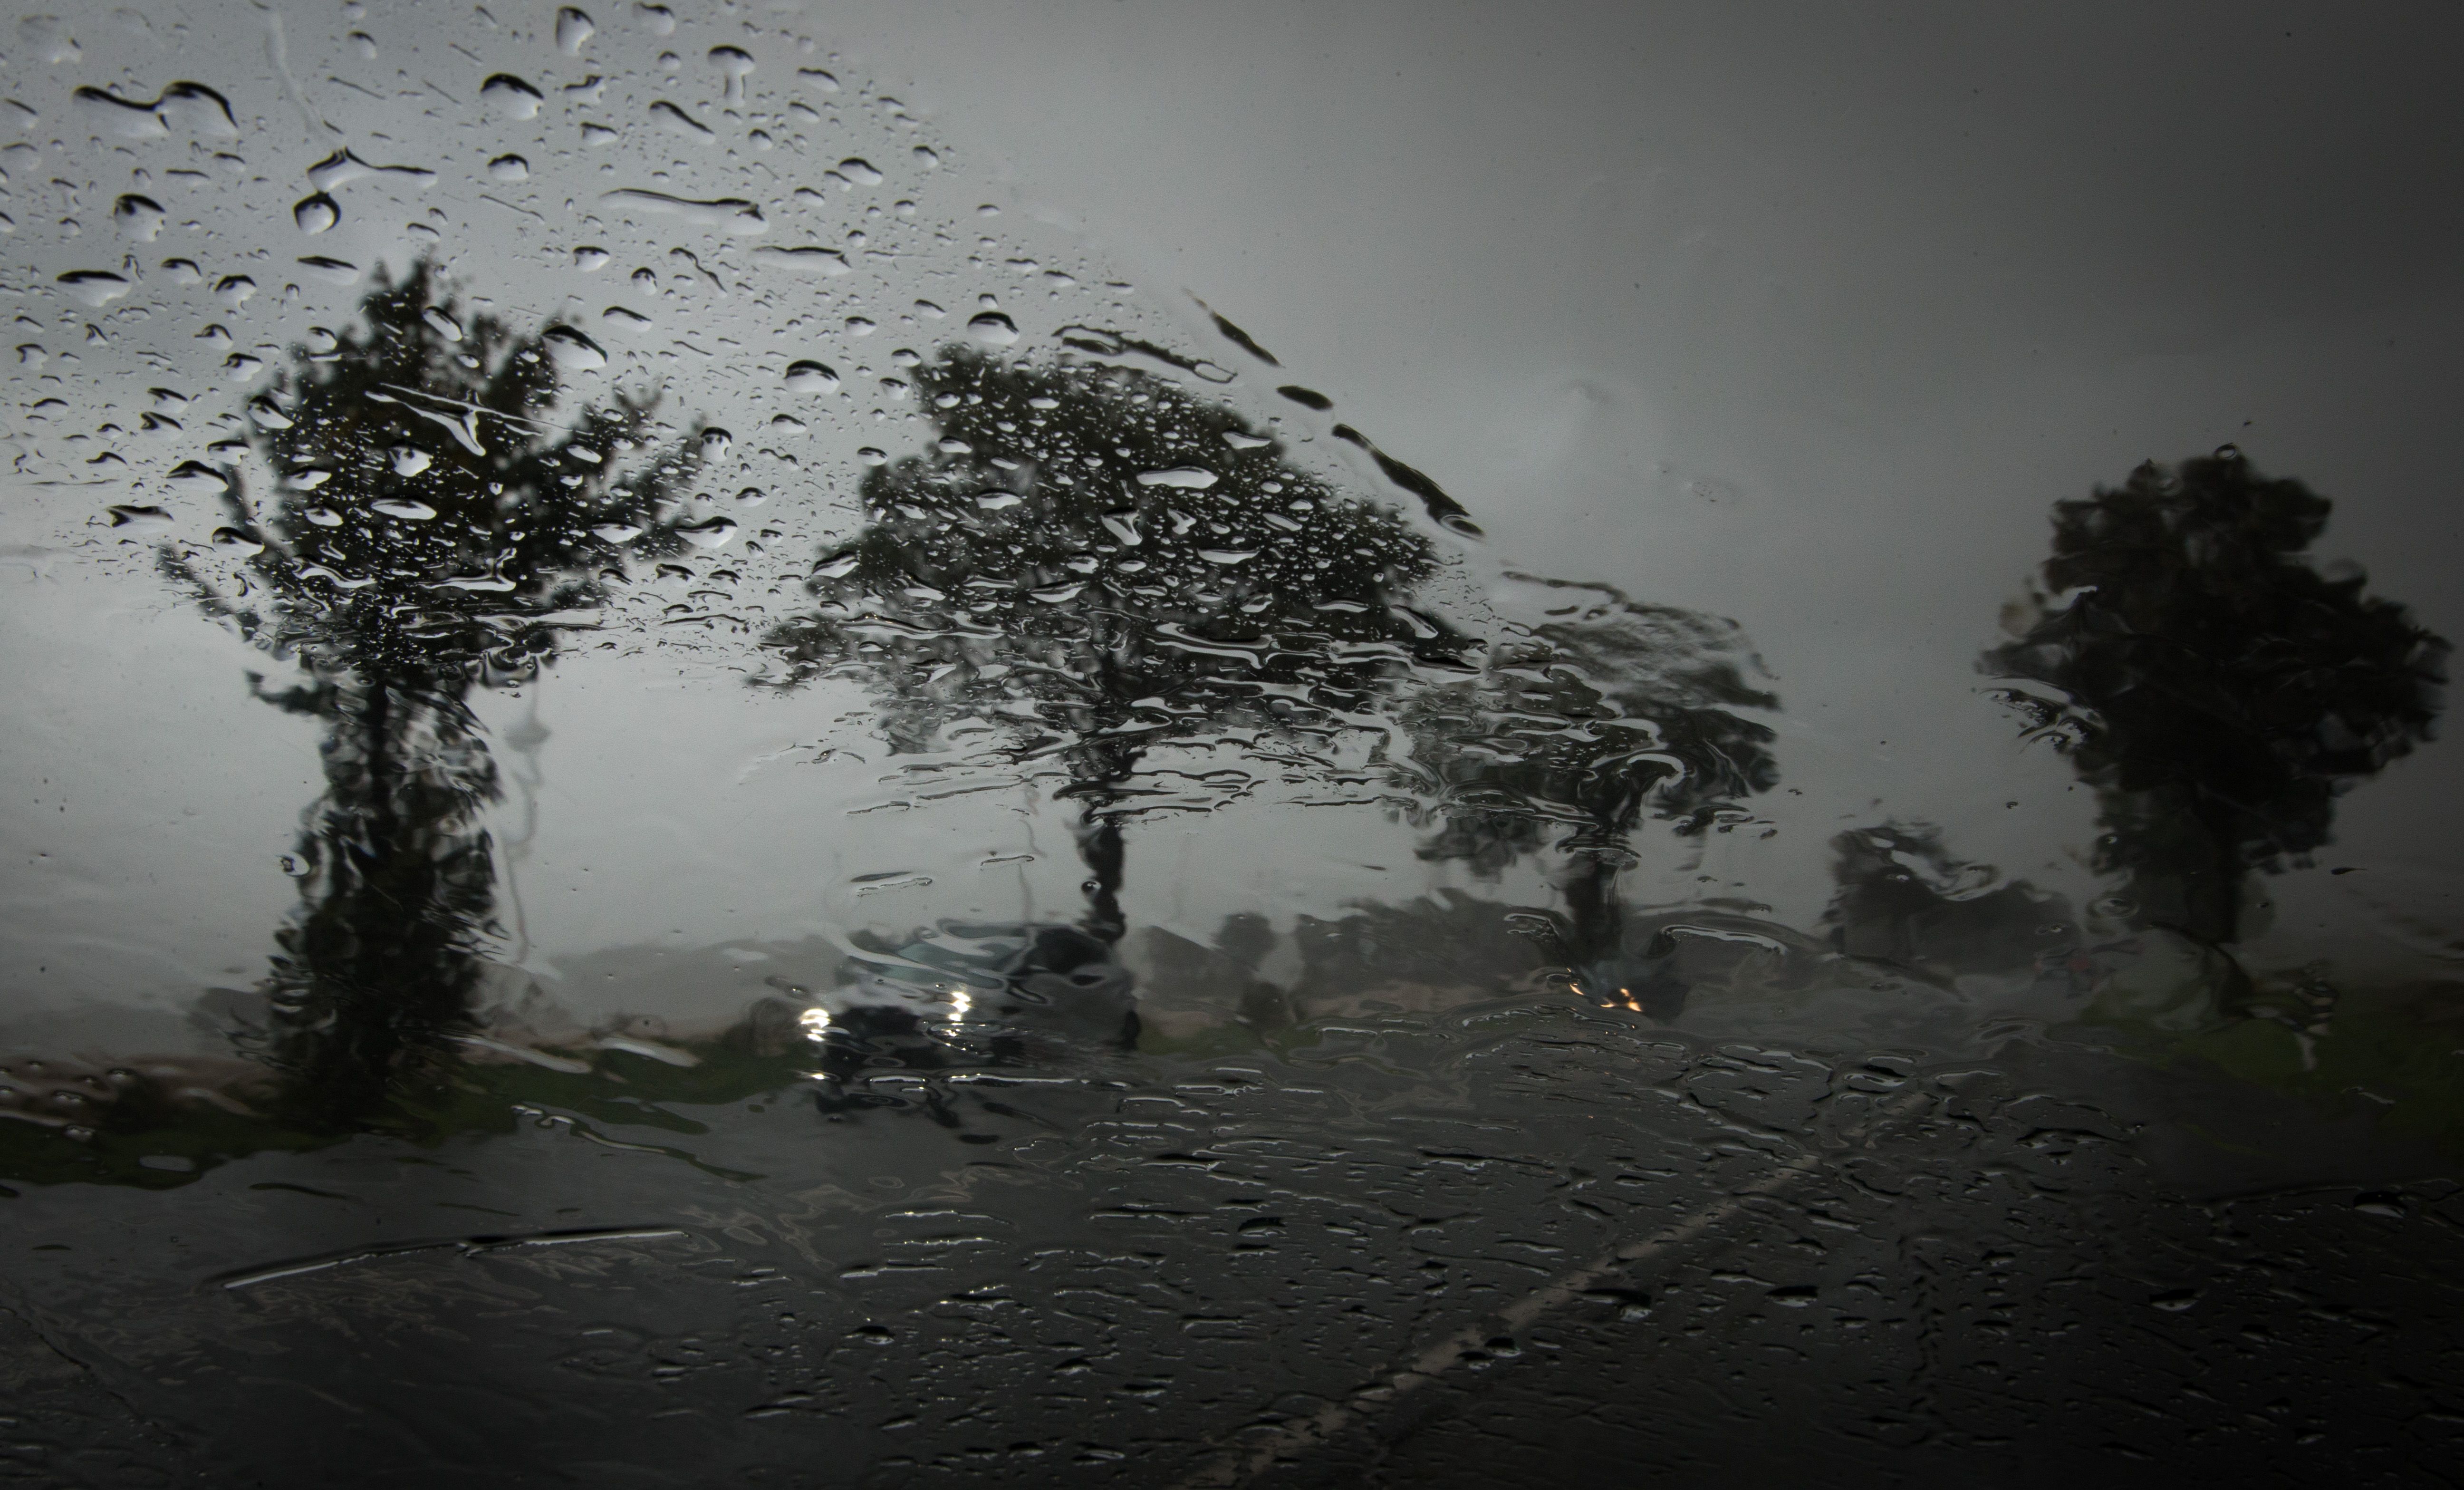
(1577, 729)
(436, 519)
(2216, 690)
(1094, 563)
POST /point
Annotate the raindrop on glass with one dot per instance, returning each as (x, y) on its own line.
(811, 377)
(708, 533)
(138, 218)
(991, 329)
(510, 97)
(316, 213)
(733, 63)
(572, 349)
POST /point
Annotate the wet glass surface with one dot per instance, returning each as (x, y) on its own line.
(1729, 772)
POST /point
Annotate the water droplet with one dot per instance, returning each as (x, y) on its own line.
(441, 323)
(95, 287)
(139, 219)
(732, 214)
(597, 134)
(192, 106)
(676, 121)
(716, 443)
(859, 325)
(139, 522)
(333, 271)
(198, 109)
(873, 456)
(404, 508)
(342, 168)
(836, 567)
(734, 63)
(2228, 453)
(183, 271)
(928, 157)
(1227, 556)
(995, 501)
(510, 97)
(234, 290)
(751, 497)
(316, 213)
(49, 39)
(708, 533)
(587, 260)
(615, 533)
(821, 81)
(862, 171)
(572, 349)
(233, 541)
(661, 20)
(1057, 594)
(823, 261)
(193, 479)
(572, 29)
(991, 329)
(1187, 477)
(811, 377)
(408, 459)
(510, 168)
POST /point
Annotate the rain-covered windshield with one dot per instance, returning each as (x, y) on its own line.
(774, 744)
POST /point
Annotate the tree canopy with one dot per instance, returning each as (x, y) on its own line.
(2215, 688)
(437, 521)
(1092, 562)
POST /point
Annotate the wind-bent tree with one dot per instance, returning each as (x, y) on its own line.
(1579, 728)
(2215, 690)
(1094, 562)
(436, 519)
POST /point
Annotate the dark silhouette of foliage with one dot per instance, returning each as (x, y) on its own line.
(1579, 728)
(437, 522)
(1094, 562)
(1905, 900)
(2216, 690)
